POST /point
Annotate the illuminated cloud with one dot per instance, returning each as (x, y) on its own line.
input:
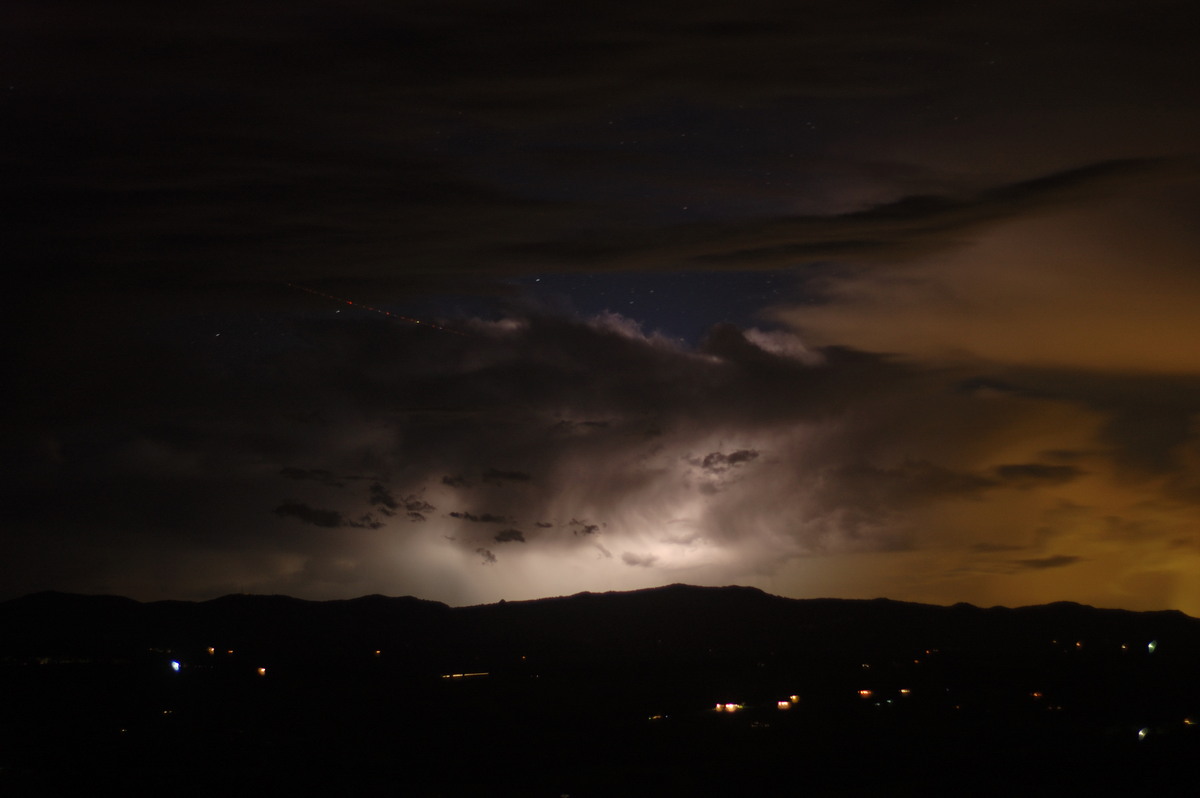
(1105, 285)
(718, 464)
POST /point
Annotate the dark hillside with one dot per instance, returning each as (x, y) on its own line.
(675, 690)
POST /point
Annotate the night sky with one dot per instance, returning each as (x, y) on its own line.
(840, 298)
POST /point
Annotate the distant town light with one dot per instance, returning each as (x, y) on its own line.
(1152, 646)
(783, 704)
(175, 665)
(262, 671)
(793, 698)
(211, 651)
(1142, 733)
(905, 691)
(865, 693)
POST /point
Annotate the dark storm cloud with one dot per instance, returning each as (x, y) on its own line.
(901, 229)
(583, 527)
(488, 557)
(912, 481)
(719, 462)
(1148, 416)
(483, 518)
(1039, 563)
(638, 560)
(383, 500)
(496, 476)
(311, 515)
(509, 536)
(415, 508)
(994, 547)
(580, 427)
(416, 505)
(318, 474)
(1033, 474)
(265, 144)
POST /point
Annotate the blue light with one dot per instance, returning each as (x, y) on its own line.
(175, 665)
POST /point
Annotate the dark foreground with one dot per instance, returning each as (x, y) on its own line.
(594, 695)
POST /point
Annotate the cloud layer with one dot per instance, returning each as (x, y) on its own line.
(973, 379)
(524, 446)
